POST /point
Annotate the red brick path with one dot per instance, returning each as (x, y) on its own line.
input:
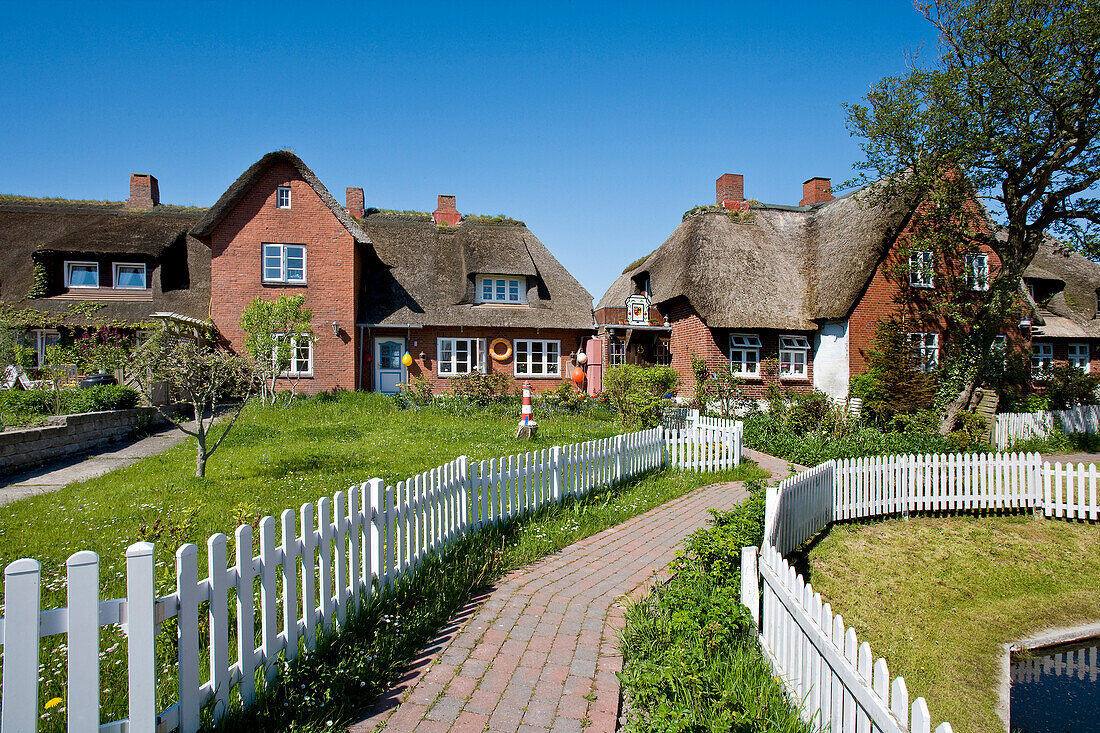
(539, 653)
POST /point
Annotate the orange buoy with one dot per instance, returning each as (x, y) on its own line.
(578, 375)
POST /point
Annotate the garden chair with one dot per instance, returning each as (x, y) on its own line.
(26, 382)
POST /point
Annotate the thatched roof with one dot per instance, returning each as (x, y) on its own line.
(242, 185)
(1069, 312)
(415, 272)
(51, 230)
(785, 269)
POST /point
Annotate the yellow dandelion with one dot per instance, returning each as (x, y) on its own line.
(53, 703)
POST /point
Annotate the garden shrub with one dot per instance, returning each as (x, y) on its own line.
(1065, 386)
(417, 393)
(692, 662)
(99, 398)
(482, 389)
(635, 393)
(565, 398)
(721, 392)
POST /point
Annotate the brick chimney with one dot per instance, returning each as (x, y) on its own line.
(816, 191)
(730, 189)
(445, 211)
(144, 192)
(355, 200)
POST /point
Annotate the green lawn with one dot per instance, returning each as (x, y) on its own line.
(275, 458)
(938, 597)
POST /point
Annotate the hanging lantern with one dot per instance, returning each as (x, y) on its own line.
(407, 359)
(578, 375)
(582, 358)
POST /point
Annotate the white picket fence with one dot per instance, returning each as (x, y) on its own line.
(1016, 426)
(819, 660)
(313, 569)
(835, 678)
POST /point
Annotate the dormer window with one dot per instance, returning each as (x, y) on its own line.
(129, 276)
(81, 274)
(501, 289)
(282, 197)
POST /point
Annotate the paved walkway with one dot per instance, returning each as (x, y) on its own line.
(540, 652)
(58, 474)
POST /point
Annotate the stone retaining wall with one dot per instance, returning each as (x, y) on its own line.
(69, 435)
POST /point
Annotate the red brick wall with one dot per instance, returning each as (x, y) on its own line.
(691, 335)
(427, 366)
(880, 299)
(331, 265)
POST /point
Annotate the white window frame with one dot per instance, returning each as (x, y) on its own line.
(43, 338)
(279, 193)
(1042, 357)
(68, 274)
(922, 268)
(282, 278)
(294, 346)
(474, 346)
(977, 271)
(791, 348)
(925, 346)
(616, 352)
(144, 275)
(742, 345)
(551, 367)
(1078, 352)
(497, 296)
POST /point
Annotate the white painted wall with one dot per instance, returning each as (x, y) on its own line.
(831, 359)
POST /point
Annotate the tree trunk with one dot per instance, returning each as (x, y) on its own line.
(200, 444)
(947, 424)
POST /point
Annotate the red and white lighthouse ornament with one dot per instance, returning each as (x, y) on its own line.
(527, 425)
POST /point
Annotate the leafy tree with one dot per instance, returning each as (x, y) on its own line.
(722, 389)
(269, 325)
(203, 376)
(1007, 115)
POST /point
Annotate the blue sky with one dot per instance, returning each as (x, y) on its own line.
(597, 124)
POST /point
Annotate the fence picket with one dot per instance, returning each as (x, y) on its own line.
(246, 613)
(218, 614)
(187, 591)
(290, 551)
(82, 597)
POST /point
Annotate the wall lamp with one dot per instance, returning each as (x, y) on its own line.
(336, 329)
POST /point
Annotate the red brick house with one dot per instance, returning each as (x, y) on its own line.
(793, 294)
(458, 294)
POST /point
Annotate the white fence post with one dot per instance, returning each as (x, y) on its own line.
(750, 583)
(187, 624)
(140, 635)
(82, 704)
(22, 598)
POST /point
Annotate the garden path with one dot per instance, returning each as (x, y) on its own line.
(59, 474)
(540, 651)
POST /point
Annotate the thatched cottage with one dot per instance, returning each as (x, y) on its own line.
(65, 265)
(455, 294)
(798, 291)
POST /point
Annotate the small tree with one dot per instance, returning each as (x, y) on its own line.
(722, 388)
(635, 393)
(894, 383)
(271, 325)
(203, 376)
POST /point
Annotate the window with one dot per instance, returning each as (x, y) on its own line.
(921, 269)
(1042, 357)
(501, 289)
(301, 356)
(925, 348)
(537, 358)
(460, 356)
(81, 275)
(282, 197)
(1031, 292)
(129, 276)
(616, 352)
(745, 354)
(285, 263)
(1079, 356)
(977, 271)
(43, 339)
(793, 351)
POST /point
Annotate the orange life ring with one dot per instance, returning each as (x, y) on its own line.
(507, 350)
